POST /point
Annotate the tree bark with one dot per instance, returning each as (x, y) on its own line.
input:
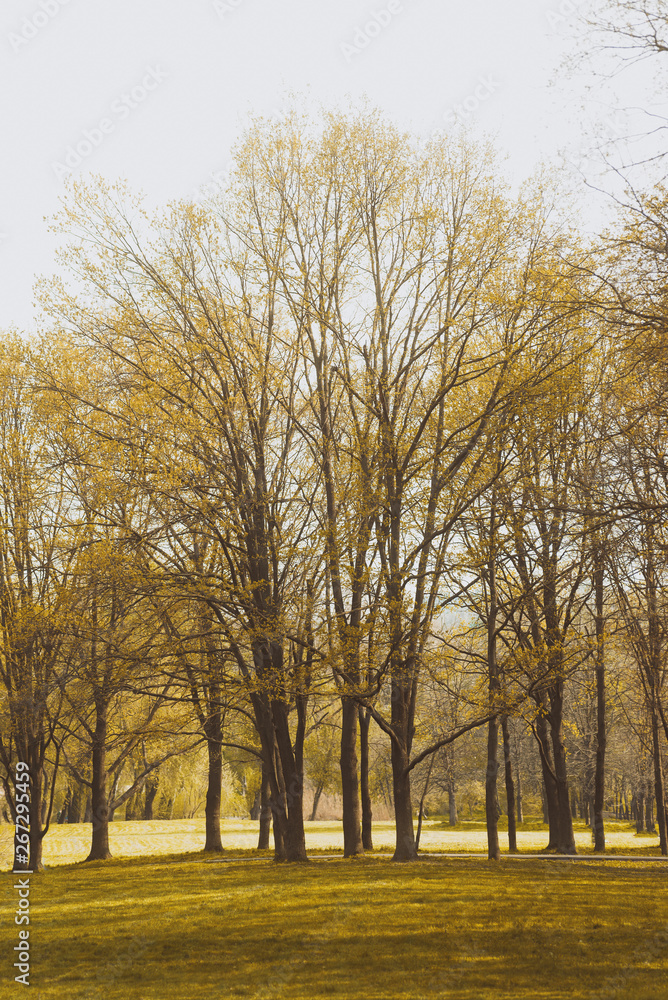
(566, 838)
(99, 850)
(510, 787)
(659, 793)
(367, 837)
(213, 731)
(550, 806)
(405, 849)
(491, 811)
(352, 828)
(152, 783)
(265, 812)
(452, 804)
(491, 792)
(601, 739)
(316, 800)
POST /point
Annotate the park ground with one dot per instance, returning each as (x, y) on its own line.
(188, 926)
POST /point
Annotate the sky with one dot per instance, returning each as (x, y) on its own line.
(157, 92)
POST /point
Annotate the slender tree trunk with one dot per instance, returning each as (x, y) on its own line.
(650, 826)
(316, 800)
(99, 850)
(491, 811)
(566, 838)
(65, 811)
(601, 739)
(352, 828)
(364, 722)
(452, 803)
(265, 812)
(491, 792)
(422, 799)
(213, 731)
(74, 812)
(659, 792)
(510, 787)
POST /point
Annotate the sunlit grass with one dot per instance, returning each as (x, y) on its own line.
(68, 843)
(185, 929)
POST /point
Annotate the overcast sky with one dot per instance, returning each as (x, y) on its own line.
(156, 91)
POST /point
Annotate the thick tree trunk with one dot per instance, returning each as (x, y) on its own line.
(294, 838)
(550, 805)
(566, 838)
(405, 849)
(99, 850)
(352, 827)
(265, 812)
(213, 731)
(364, 722)
(510, 787)
(36, 787)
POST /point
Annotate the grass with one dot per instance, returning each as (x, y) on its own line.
(196, 928)
(68, 843)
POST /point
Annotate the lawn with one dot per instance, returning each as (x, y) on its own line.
(69, 843)
(190, 927)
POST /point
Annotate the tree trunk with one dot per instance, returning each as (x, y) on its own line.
(74, 812)
(491, 811)
(265, 812)
(491, 791)
(364, 723)
(510, 787)
(422, 800)
(352, 828)
(294, 839)
(316, 800)
(601, 739)
(405, 849)
(35, 807)
(452, 804)
(550, 805)
(64, 816)
(566, 838)
(650, 826)
(99, 850)
(213, 731)
(152, 783)
(659, 793)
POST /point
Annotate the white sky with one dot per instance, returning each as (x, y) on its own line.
(68, 64)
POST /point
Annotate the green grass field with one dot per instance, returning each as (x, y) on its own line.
(189, 926)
